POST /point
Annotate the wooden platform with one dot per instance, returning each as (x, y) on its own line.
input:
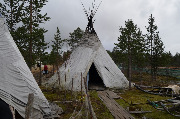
(116, 110)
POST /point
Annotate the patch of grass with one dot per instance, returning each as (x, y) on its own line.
(136, 99)
(62, 97)
(131, 99)
(99, 108)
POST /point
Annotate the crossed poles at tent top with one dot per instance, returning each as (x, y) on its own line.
(90, 14)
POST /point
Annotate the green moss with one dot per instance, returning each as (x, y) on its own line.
(135, 99)
(74, 99)
(50, 96)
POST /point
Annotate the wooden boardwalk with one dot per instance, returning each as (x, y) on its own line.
(116, 110)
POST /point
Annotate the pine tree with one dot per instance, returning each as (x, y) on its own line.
(39, 50)
(154, 46)
(57, 49)
(75, 38)
(52, 58)
(166, 59)
(12, 11)
(176, 60)
(57, 43)
(131, 43)
(31, 20)
(28, 12)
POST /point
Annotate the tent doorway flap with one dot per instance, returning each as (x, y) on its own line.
(95, 82)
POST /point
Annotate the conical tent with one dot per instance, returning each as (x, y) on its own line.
(89, 53)
(16, 80)
(90, 60)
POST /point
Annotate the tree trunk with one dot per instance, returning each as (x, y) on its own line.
(58, 71)
(40, 75)
(53, 69)
(129, 69)
(30, 40)
(11, 23)
(129, 63)
(151, 50)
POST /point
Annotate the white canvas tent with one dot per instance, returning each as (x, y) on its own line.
(89, 53)
(16, 80)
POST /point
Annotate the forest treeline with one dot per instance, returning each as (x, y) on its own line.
(166, 59)
(135, 49)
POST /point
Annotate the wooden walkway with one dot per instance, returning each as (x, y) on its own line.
(116, 110)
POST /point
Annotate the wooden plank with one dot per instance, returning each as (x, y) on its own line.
(110, 106)
(139, 112)
(116, 110)
(113, 95)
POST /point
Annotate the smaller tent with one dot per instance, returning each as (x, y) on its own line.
(90, 56)
(16, 80)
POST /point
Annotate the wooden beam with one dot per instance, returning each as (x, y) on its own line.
(29, 105)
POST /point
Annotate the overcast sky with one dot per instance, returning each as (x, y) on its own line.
(69, 14)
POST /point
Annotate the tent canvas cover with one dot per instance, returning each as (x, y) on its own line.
(16, 80)
(89, 52)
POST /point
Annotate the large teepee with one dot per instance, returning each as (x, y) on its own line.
(90, 60)
(16, 80)
(88, 56)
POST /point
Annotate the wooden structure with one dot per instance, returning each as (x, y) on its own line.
(171, 106)
(164, 91)
(116, 110)
(90, 15)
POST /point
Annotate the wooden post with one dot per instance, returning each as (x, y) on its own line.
(65, 73)
(72, 85)
(81, 88)
(72, 89)
(85, 85)
(65, 88)
(86, 99)
(88, 102)
(90, 108)
(40, 77)
(53, 69)
(29, 105)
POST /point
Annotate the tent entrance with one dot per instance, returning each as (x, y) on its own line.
(95, 82)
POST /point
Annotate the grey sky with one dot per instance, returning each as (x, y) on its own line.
(69, 14)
